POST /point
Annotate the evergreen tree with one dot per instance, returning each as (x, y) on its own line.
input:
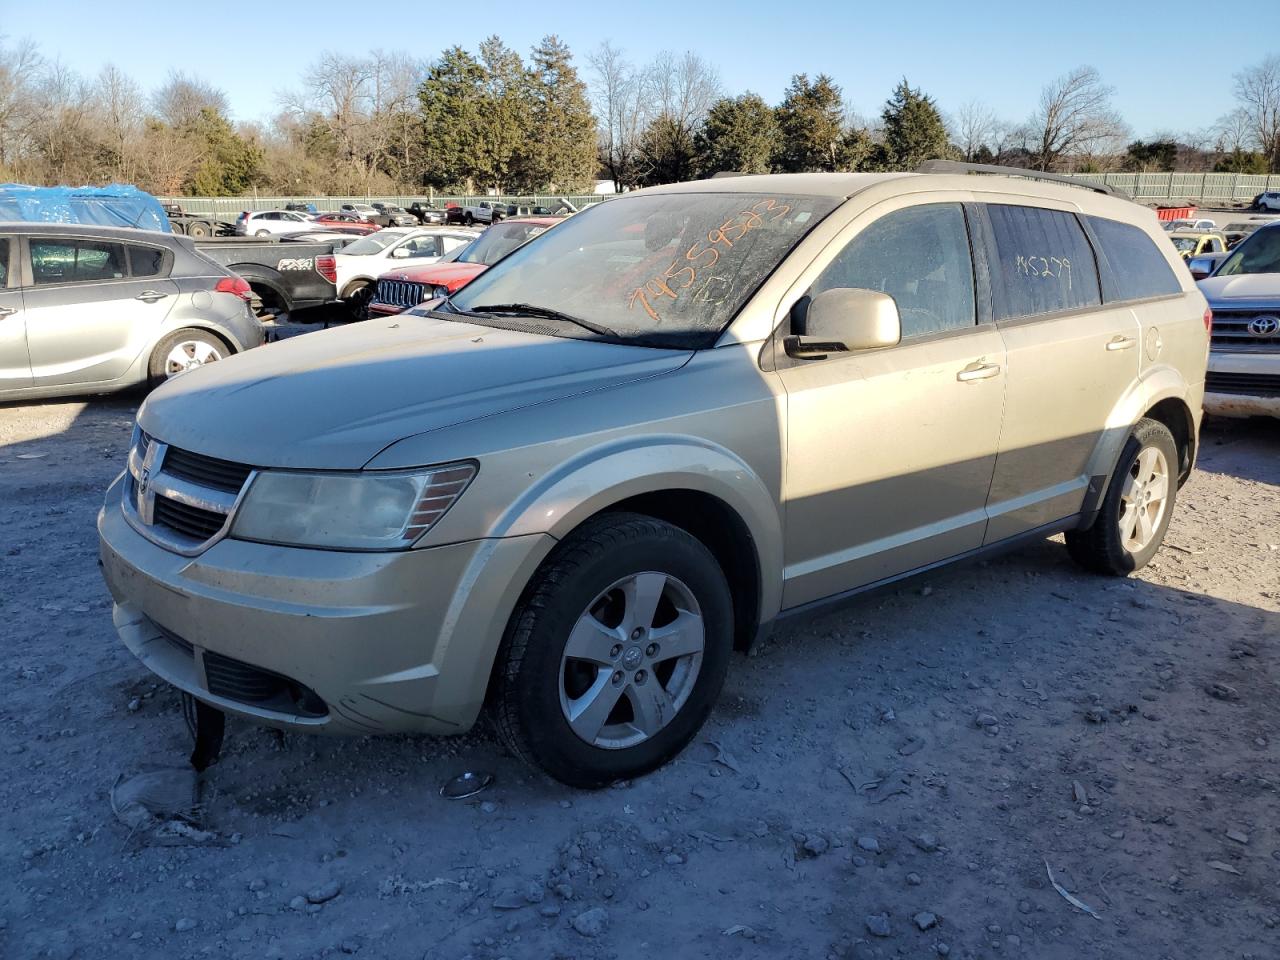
(562, 141)
(667, 152)
(452, 101)
(740, 134)
(810, 121)
(231, 164)
(502, 131)
(913, 129)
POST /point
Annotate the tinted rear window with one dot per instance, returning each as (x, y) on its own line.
(1135, 267)
(1043, 263)
(4, 263)
(145, 261)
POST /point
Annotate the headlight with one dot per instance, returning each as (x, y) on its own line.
(349, 511)
(439, 291)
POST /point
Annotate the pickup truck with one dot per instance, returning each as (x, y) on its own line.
(285, 275)
(486, 212)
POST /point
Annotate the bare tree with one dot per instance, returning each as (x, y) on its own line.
(619, 101)
(974, 127)
(1233, 132)
(681, 88)
(119, 102)
(182, 99)
(19, 109)
(1258, 92)
(1075, 116)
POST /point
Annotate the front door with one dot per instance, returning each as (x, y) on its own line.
(87, 319)
(890, 452)
(1070, 361)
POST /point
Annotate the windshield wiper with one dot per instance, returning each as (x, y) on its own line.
(546, 313)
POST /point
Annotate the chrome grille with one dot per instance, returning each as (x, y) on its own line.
(1231, 332)
(401, 293)
(180, 499)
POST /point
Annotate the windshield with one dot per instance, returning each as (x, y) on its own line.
(660, 269)
(1185, 244)
(1260, 253)
(374, 243)
(496, 242)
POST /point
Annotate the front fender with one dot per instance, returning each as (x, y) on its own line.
(599, 477)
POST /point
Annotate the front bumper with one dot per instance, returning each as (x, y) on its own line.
(1243, 385)
(389, 642)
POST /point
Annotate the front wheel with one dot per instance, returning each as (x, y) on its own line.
(181, 351)
(616, 654)
(1136, 511)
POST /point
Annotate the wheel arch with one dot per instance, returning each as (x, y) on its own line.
(1175, 414)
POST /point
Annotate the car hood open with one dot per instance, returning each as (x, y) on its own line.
(334, 399)
(1242, 286)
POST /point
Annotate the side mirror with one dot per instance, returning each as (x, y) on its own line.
(1200, 267)
(843, 319)
(399, 253)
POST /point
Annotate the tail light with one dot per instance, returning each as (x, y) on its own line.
(236, 285)
(327, 267)
(1208, 320)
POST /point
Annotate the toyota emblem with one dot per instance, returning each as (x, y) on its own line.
(1264, 326)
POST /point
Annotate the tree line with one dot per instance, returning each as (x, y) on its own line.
(491, 119)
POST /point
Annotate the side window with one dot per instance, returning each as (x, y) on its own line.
(4, 263)
(145, 261)
(919, 256)
(1136, 269)
(422, 247)
(452, 243)
(1043, 262)
(76, 261)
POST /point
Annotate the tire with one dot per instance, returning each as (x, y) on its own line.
(263, 233)
(598, 578)
(199, 346)
(197, 230)
(469, 220)
(357, 297)
(1119, 543)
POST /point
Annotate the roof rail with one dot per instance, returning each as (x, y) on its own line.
(959, 166)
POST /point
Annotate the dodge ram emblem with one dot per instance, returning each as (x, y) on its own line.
(1264, 326)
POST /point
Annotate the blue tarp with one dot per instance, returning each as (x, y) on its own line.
(118, 205)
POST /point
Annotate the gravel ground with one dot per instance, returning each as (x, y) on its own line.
(888, 780)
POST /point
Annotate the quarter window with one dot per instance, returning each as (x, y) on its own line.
(4, 263)
(76, 261)
(145, 261)
(1135, 267)
(1043, 262)
(920, 257)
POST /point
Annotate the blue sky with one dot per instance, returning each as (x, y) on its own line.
(1171, 62)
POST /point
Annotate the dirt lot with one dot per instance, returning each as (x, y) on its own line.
(887, 781)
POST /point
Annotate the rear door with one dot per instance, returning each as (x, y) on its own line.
(15, 362)
(1070, 359)
(87, 317)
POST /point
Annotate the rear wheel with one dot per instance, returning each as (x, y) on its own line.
(263, 233)
(616, 654)
(1136, 511)
(357, 296)
(197, 230)
(184, 350)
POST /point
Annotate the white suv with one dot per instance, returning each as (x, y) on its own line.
(265, 223)
(1268, 201)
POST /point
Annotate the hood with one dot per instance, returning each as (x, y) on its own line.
(1244, 286)
(333, 399)
(452, 275)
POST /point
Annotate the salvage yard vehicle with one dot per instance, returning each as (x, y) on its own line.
(427, 214)
(344, 223)
(196, 225)
(1244, 351)
(264, 223)
(87, 309)
(360, 263)
(565, 495)
(397, 290)
(391, 215)
(284, 274)
(1194, 243)
(364, 211)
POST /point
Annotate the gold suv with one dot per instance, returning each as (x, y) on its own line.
(565, 495)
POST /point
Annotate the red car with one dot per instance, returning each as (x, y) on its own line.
(399, 290)
(345, 223)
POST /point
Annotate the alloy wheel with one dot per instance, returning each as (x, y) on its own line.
(1143, 499)
(631, 660)
(188, 354)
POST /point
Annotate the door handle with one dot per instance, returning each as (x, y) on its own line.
(150, 296)
(1120, 343)
(7, 311)
(978, 371)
